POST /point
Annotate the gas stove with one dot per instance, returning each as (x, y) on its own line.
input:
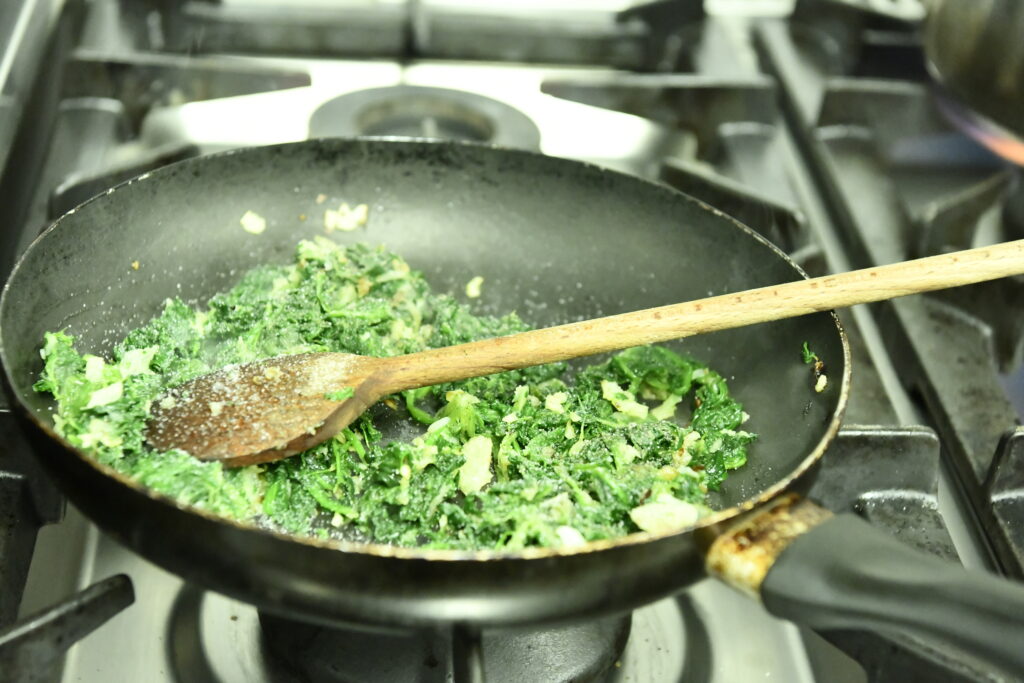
(814, 123)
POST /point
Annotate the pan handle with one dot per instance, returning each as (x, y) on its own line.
(839, 572)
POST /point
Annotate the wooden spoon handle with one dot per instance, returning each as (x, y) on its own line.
(723, 312)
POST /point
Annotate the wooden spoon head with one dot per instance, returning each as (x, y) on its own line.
(263, 411)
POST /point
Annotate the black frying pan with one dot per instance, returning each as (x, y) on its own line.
(583, 240)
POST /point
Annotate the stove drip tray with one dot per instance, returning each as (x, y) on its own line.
(409, 111)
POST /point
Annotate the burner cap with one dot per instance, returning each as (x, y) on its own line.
(419, 112)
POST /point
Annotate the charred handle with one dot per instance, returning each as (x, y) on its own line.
(706, 315)
(845, 574)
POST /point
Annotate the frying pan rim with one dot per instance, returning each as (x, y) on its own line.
(718, 517)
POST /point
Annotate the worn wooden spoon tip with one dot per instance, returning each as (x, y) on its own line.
(265, 410)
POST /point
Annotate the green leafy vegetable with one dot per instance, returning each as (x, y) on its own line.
(817, 369)
(340, 394)
(521, 458)
(808, 355)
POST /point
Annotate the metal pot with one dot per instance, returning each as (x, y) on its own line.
(975, 48)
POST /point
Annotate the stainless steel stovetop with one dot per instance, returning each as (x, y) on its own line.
(766, 114)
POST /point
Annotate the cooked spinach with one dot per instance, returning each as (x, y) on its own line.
(528, 457)
(807, 355)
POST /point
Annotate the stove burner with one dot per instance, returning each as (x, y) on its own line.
(583, 652)
(211, 638)
(421, 112)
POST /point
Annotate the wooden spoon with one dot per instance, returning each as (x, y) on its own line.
(271, 409)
